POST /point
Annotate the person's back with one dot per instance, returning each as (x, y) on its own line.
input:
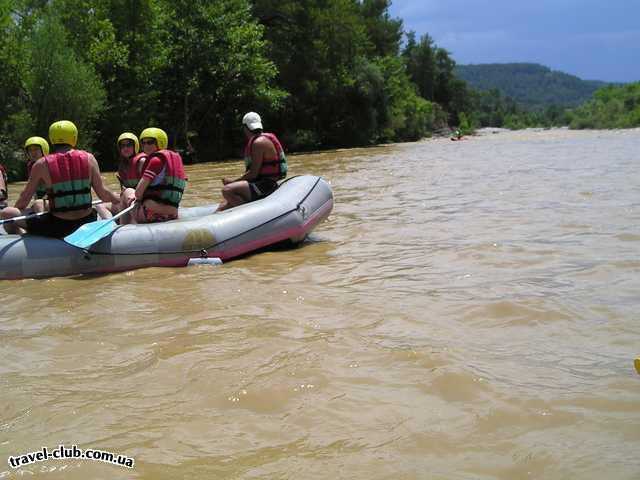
(68, 175)
(67, 179)
(274, 165)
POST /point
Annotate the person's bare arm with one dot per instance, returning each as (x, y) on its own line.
(3, 188)
(259, 150)
(38, 173)
(142, 187)
(101, 190)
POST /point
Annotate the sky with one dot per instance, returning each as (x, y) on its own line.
(592, 39)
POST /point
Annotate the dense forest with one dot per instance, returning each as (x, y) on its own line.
(610, 107)
(533, 86)
(322, 73)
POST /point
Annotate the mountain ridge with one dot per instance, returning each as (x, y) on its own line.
(532, 85)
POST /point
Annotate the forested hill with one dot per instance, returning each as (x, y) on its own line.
(531, 85)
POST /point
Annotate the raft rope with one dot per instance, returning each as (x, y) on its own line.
(202, 251)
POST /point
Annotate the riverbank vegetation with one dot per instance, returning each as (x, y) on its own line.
(528, 95)
(610, 107)
(331, 73)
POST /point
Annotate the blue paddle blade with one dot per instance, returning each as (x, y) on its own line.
(90, 233)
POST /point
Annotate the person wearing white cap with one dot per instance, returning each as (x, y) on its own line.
(265, 164)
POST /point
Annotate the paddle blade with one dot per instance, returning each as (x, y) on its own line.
(90, 233)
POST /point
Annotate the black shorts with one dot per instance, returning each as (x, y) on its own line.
(48, 225)
(262, 187)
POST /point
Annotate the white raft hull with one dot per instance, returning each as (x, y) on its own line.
(290, 213)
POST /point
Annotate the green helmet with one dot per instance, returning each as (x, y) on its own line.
(39, 141)
(160, 136)
(129, 136)
(63, 132)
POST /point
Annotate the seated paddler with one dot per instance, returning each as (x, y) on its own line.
(129, 173)
(34, 149)
(68, 174)
(130, 160)
(265, 164)
(162, 181)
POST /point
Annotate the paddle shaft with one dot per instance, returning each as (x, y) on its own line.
(33, 215)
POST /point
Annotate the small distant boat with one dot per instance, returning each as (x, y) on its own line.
(290, 213)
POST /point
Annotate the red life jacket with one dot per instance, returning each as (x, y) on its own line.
(4, 192)
(275, 168)
(70, 181)
(130, 174)
(167, 188)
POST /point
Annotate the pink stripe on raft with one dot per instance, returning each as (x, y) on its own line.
(238, 250)
(317, 216)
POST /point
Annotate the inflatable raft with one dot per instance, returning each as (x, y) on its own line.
(290, 213)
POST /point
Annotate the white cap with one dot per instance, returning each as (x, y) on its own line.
(252, 121)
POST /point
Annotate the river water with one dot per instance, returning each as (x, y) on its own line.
(469, 310)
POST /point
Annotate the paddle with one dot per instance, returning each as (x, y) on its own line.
(90, 233)
(33, 215)
(22, 217)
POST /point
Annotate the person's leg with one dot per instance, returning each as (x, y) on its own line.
(235, 194)
(127, 197)
(38, 206)
(50, 226)
(138, 215)
(12, 227)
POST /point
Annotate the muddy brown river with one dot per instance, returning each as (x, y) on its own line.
(470, 310)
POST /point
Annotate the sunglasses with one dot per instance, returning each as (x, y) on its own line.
(126, 144)
(148, 142)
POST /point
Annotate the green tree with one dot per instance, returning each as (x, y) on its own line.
(59, 84)
(409, 117)
(384, 32)
(610, 107)
(432, 69)
(13, 95)
(215, 69)
(421, 64)
(318, 48)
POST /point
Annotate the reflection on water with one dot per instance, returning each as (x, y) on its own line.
(469, 310)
